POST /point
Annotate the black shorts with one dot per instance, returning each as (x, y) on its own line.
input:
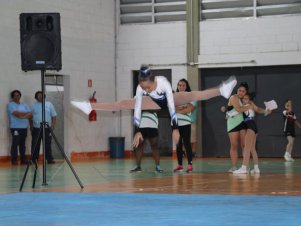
(149, 132)
(289, 133)
(251, 125)
(241, 126)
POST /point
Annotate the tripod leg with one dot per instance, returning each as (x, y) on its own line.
(65, 157)
(24, 177)
(35, 155)
(35, 174)
(33, 159)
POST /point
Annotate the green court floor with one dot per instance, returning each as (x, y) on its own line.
(103, 172)
(112, 196)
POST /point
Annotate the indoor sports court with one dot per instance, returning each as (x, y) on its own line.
(112, 195)
(105, 53)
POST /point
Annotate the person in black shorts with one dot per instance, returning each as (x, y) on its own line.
(250, 136)
(148, 130)
(290, 120)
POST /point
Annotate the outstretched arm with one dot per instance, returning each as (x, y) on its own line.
(261, 110)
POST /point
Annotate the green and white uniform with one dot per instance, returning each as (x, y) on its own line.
(149, 120)
(184, 119)
(235, 120)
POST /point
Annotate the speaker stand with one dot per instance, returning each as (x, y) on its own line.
(35, 152)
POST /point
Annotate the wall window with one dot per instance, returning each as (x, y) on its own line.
(157, 11)
(152, 11)
(220, 9)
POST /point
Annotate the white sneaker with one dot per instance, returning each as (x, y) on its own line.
(84, 106)
(255, 170)
(287, 156)
(227, 86)
(233, 168)
(241, 171)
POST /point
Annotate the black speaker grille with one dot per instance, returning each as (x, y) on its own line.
(40, 41)
(39, 48)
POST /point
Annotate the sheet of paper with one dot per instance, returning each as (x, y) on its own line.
(271, 105)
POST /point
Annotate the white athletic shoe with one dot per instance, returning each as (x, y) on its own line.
(227, 86)
(288, 157)
(241, 171)
(232, 169)
(84, 106)
(257, 170)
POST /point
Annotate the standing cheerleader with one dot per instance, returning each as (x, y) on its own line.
(250, 136)
(290, 120)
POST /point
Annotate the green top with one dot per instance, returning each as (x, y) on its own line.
(193, 114)
(234, 121)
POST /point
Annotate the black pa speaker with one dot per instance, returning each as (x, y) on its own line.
(40, 36)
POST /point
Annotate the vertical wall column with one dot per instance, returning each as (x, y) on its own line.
(193, 51)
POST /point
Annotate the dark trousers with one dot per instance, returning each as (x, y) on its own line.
(185, 134)
(36, 140)
(18, 142)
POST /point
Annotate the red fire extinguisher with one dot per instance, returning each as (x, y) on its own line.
(93, 114)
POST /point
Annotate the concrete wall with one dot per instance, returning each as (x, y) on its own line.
(88, 52)
(251, 42)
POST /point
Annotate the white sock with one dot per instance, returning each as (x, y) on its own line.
(256, 167)
(243, 167)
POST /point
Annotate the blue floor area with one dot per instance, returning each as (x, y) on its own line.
(73, 209)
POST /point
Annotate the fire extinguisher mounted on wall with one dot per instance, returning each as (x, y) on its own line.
(93, 114)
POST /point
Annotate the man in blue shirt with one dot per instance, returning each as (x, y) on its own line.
(35, 124)
(18, 114)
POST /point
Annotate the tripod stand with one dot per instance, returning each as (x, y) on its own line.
(41, 135)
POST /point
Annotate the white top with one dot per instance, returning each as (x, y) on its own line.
(162, 95)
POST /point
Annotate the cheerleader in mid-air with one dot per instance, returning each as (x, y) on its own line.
(154, 93)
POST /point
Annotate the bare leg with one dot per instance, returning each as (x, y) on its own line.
(155, 148)
(234, 137)
(242, 134)
(129, 104)
(254, 153)
(249, 142)
(181, 98)
(290, 144)
(139, 154)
